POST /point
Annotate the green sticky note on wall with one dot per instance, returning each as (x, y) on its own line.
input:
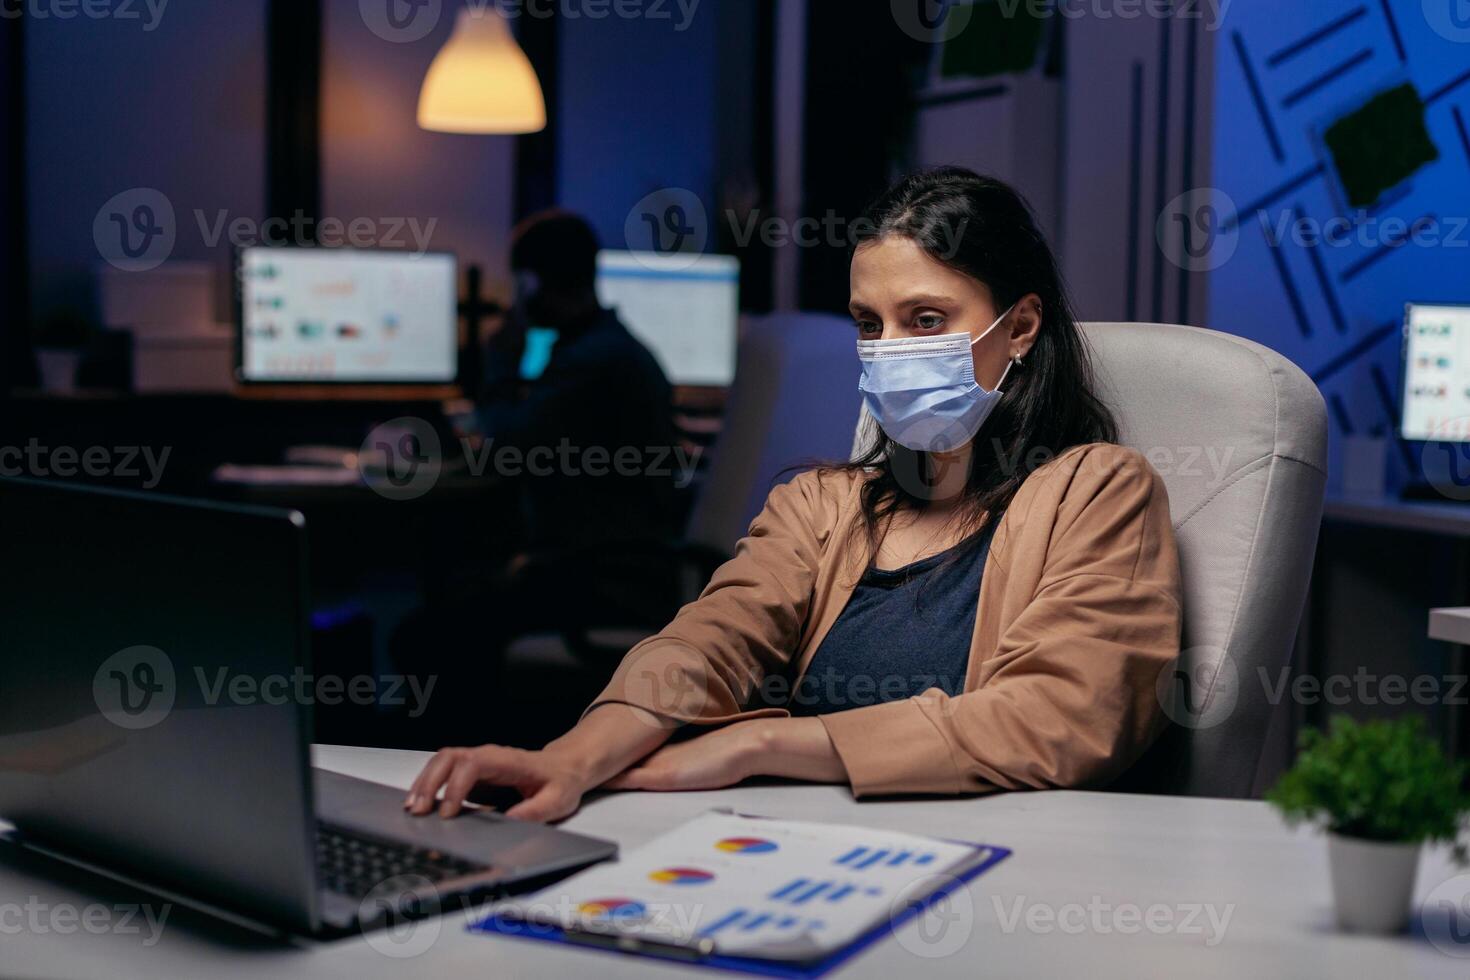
(1380, 144)
(998, 38)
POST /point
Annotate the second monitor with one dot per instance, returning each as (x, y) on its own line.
(685, 308)
(346, 316)
(1436, 405)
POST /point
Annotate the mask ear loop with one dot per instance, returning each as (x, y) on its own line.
(1003, 375)
(986, 332)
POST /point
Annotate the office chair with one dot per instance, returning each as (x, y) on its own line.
(1239, 435)
(793, 401)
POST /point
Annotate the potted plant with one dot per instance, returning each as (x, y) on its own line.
(1380, 790)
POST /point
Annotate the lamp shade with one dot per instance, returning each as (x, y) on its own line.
(481, 81)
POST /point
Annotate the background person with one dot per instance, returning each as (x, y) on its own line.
(567, 389)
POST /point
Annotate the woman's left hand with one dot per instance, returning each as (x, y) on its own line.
(714, 760)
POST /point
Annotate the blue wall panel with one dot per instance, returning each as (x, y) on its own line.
(1285, 73)
(639, 114)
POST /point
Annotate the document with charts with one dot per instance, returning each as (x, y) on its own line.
(757, 887)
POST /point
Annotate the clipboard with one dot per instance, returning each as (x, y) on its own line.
(705, 954)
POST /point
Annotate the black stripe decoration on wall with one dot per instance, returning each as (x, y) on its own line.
(1135, 188)
(1316, 37)
(1254, 84)
(1161, 155)
(1191, 93)
(1319, 269)
(1278, 257)
(1327, 78)
(1393, 30)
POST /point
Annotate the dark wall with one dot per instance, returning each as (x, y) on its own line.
(639, 115)
(451, 191)
(861, 70)
(122, 107)
(16, 368)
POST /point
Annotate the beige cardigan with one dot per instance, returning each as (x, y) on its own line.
(1079, 612)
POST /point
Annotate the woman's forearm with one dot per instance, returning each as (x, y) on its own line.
(610, 739)
(796, 748)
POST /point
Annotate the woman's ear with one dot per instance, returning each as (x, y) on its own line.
(1026, 324)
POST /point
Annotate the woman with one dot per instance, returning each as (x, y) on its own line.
(854, 597)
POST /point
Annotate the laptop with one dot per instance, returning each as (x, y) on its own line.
(155, 721)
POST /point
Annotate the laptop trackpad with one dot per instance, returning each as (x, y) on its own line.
(371, 808)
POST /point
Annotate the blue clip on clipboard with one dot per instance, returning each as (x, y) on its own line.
(520, 929)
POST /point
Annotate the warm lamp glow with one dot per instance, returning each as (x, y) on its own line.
(481, 81)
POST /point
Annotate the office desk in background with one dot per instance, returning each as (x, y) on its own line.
(1074, 852)
(1417, 557)
(1438, 517)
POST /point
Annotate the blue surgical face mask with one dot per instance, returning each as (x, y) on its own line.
(923, 392)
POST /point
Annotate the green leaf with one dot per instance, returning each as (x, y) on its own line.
(1382, 781)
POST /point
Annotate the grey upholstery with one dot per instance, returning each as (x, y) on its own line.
(1246, 515)
(793, 400)
(1239, 435)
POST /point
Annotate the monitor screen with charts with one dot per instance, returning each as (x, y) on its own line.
(685, 309)
(1436, 373)
(350, 316)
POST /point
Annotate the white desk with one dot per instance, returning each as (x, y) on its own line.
(1446, 518)
(1071, 849)
(1451, 624)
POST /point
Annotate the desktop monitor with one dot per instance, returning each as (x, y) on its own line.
(346, 316)
(684, 308)
(1436, 400)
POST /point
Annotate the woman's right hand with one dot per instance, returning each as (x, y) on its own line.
(553, 780)
(551, 784)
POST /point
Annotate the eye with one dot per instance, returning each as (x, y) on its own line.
(929, 321)
(869, 327)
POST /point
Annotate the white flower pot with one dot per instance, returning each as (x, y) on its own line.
(58, 368)
(1372, 883)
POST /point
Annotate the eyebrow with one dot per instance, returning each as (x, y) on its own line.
(929, 299)
(924, 299)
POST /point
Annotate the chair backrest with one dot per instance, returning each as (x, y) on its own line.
(1239, 435)
(793, 400)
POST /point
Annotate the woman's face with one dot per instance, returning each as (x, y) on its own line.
(899, 290)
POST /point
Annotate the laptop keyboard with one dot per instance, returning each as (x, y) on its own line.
(355, 865)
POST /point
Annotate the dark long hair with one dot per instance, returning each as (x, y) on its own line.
(983, 228)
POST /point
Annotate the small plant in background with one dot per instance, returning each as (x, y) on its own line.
(1384, 781)
(1381, 791)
